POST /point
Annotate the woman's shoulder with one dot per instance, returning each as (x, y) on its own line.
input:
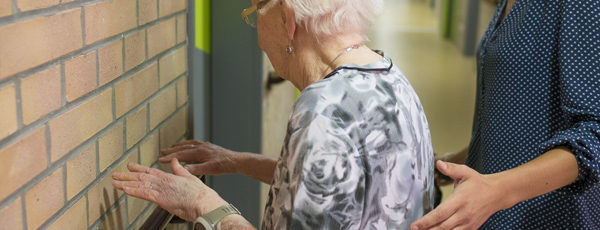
(347, 95)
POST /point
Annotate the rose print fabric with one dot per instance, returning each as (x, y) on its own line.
(357, 155)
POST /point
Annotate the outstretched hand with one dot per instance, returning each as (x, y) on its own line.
(475, 198)
(180, 193)
(213, 159)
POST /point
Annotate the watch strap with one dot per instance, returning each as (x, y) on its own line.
(213, 217)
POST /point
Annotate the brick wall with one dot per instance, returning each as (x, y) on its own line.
(85, 87)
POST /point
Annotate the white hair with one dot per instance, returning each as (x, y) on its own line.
(329, 17)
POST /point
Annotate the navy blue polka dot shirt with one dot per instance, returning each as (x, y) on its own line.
(539, 89)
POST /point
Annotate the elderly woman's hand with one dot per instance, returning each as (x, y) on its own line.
(180, 193)
(475, 198)
(213, 159)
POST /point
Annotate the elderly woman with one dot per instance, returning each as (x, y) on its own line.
(357, 154)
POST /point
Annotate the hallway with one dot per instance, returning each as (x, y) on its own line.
(443, 78)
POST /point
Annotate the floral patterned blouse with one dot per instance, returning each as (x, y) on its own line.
(357, 154)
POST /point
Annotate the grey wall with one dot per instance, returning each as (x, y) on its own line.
(236, 100)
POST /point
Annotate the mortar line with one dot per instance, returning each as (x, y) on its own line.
(19, 106)
(87, 209)
(114, 106)
(24, 211)
(65, 184)
(137, 12)
(146, 43)
(83, 26)
(148, 117)
(52, 219)
(125, 134)
(62, 162)
(15, 8)
(124, 69)
(19, 16)
(69, 106)
(48, 143)
(138, 218)
(126, 204)
(63, 85)
(97, 68)
(157, 9)
(97, 149)
(176, 29)
(86, 49)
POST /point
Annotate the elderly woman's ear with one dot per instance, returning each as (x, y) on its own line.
(290, 21)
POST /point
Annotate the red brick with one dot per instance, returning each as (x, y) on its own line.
(182, 91)
(22, 46)
(135, 49)
(5, 8)
(162, 106)
(161, 37)
(40, 94)
(8, 103)
(44, 199)
(135, 89)
(80, 76)
(79, 124)
(110, 61)
(107, 18)
(167, 7)
(81, 171)
(110, 147)
(172, 65)
(22, 161)
(174, 130)
(11, 216)
(136, 126)
(148, 11)
(149, 150)
(74, 218)
(181, 28)
(27, 5)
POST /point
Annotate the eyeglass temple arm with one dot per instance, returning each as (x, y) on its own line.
(248, 11)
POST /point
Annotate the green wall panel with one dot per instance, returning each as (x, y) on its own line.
(203, 25)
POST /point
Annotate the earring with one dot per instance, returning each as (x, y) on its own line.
(289, 48)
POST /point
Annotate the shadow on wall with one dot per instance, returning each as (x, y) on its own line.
(115, 220)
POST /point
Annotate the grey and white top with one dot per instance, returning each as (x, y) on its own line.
(357, 154)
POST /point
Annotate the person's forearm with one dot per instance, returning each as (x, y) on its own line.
(232, 222)
(550, 171)
(257, 166)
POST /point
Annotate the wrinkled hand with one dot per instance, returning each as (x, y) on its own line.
(214, 159)
(475, 198)
(180, 193)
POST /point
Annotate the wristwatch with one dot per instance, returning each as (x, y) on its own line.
(210, 220)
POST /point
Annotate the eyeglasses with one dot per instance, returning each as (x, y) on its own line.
(250, 16)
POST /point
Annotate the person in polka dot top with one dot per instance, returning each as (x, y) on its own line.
(533, 161)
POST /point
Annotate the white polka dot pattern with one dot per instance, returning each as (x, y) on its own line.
(539, 88)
